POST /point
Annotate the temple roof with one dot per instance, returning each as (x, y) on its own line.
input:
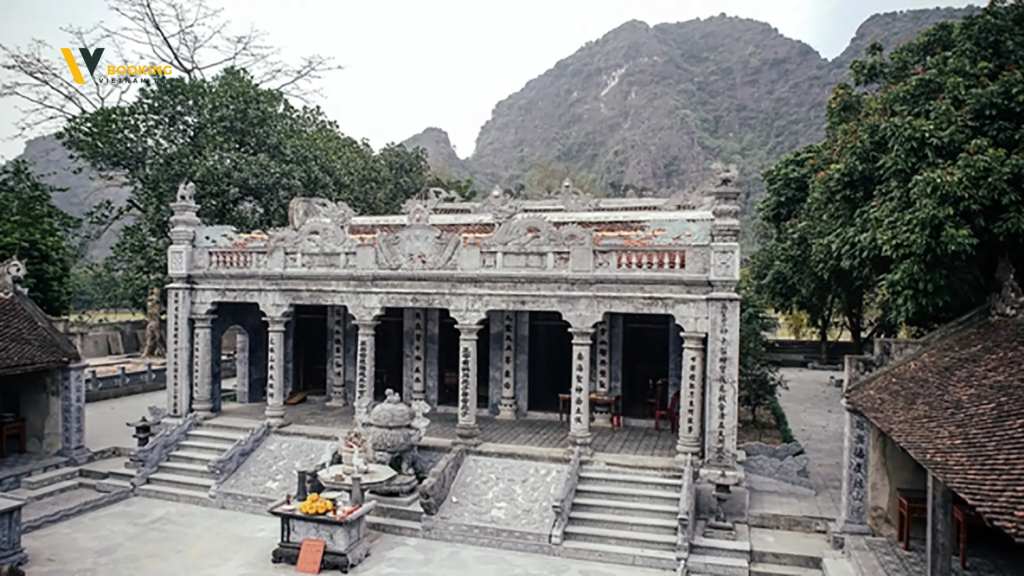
(957, 407)
(28, 340)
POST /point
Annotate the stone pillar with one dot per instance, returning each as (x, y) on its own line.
(275, 370)
(579, 426)
(940, 519)
(179, 350)
(337, 316)
(11, 551)
(616, 328)
(414, 354)
(72, 412)
(601, 376)
(522, 368)
(494, 355)
(467, 430)
(675, 352)
(853, 509)
(351, 360)
(289, 358)
(202, 365)
(242, 366)
(722, 383)
(366, 356)
(507, 406)
(433, 350)
(691, 396)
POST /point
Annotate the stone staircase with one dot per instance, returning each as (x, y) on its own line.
(401, 516)
(764, 552)
(185, 476)
(624, 516)
(58, 495)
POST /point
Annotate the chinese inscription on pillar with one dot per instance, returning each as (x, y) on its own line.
(465, 369)
(722, 391)
(603, 347)
(418, 355)
(579, 374)
(174, 352)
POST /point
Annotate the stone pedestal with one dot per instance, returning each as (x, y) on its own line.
(579, 412)
(275, 370)
(202, 366)
(467, 430)
(11, 552)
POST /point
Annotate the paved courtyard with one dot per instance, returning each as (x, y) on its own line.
(157, 538)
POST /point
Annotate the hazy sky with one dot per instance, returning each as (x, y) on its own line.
(410, 64)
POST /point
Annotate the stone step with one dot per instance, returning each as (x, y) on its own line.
(412, 513)
(220, 436)
(788, 548)
(200, 485)
(604, 477)
(617, 521)
(739, 548)
(112, 485)
(837, 567)
(395, 526)
(191, 457)
(174, 494)
(204, 447)
(101, 469)
(47, 491)
(123, 474)
(762, 569)
(37, 481)
(717, 566)
(185, 469)
(626, 538)
(65, 506)
(627, 494)
(239, 426)
(601, 505)
(624, 555)
(786, 522)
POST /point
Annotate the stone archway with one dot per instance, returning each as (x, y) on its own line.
(251, 351)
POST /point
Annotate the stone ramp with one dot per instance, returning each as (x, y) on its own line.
(268, 474)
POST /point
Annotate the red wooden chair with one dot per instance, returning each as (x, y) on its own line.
(672, 413)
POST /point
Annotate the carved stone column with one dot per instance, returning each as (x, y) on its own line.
(579, 426)
(202, 365)
(242, 366)
(467, 430)
(365, 367)
(601, 365)
(72, 412)
(414, 354)
(275, 369)
(853, 508)
(722, 383)
(691, 394)
(616, 331)
(336, 319)
(522, 369)
(179, 350)
(507, 405)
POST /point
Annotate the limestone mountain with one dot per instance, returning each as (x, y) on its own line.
(649, 107)
(440, 152)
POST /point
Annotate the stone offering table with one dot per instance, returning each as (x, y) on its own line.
(346, 541)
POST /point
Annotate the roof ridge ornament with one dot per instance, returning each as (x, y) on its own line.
(419, 208)
(12, 272)
(575, 200)
(502, 205)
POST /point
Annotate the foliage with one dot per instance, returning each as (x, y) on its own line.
(903, 212)
(39, 234)
(758, 380)
(249, 152)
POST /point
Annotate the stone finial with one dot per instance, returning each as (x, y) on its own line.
(184, 220)
(1009, 301)
(12, 273)
(575, 200)
(501, 205)
(726, 208)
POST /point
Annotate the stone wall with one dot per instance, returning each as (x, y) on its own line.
(891, 468)
(39, 399)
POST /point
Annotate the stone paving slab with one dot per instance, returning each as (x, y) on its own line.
(886, 557)
(160, 538)
(509, 494)
(270, 471)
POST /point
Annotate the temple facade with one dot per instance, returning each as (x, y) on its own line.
(503, 306)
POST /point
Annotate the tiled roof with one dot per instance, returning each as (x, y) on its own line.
(957, 408)
(28, 340)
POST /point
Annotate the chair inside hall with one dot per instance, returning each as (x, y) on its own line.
(657, 407)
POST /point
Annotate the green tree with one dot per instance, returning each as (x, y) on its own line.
(759, 380)
(39, 234)
(249, 152)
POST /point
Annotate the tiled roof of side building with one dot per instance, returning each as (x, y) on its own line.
(957, 407)
(28, 340)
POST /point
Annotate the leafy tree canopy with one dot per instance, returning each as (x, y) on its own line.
(916, 193)
(39, 234)
(249, 152)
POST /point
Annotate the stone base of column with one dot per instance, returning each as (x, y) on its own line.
(688, 453)
(580, 439)
(275, 416)
(507, 409)
(78, 455)
(337, 402)
(467, 435)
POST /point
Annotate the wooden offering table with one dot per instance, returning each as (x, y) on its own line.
(346, 543)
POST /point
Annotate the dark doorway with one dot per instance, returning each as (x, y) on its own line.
(550, 360)
(310, 349)
(389, 339)
(644, 361)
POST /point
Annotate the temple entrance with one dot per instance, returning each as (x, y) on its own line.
(389, 341)
(550, 360)
(645, 342)
(310, 349)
